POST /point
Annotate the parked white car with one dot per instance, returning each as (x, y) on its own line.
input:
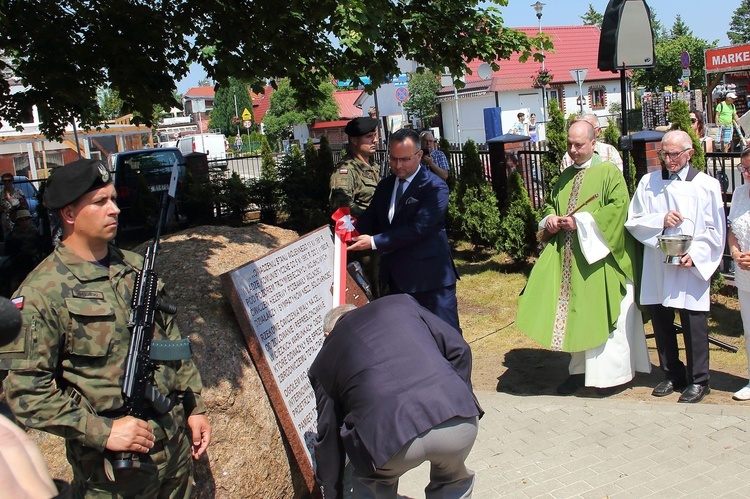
(214, 145)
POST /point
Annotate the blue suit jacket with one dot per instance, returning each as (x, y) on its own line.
(388, 371)
(414, 247)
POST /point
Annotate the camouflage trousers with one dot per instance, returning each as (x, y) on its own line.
(174, 479)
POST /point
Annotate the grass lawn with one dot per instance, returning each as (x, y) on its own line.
(507, 360)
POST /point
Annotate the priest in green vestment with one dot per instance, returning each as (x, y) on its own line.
(580, 295)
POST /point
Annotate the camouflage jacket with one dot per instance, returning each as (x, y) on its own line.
(67, 365)
(353, 185)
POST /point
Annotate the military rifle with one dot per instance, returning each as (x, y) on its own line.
(139, 393)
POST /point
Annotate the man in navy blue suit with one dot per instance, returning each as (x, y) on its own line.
(393, 389)
(405, 223)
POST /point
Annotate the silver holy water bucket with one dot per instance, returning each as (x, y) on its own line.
(675, 246)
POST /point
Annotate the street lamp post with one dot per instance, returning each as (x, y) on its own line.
(236, 111)
(538, 6)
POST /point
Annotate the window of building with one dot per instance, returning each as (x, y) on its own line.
(598, 96)
(557, 93)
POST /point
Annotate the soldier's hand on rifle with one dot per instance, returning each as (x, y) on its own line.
(130, 435)
(200, 430)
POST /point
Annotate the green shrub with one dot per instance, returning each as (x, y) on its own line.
(236, 195)
(557, 143)
(300, 181)
(326, 160)
(480, 216)
(265, 191)
(611, 134)
(473, 213)
(517, 233)
(472, 170)
(679, 117)
(197, 199)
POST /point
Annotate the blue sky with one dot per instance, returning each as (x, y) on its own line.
(708, 20)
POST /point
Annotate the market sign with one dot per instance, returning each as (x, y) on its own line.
(735, 58)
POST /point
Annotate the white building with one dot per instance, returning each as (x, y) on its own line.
(511, 88)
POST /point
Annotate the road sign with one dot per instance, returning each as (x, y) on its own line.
(246, 115)
(685, 60)
(402, 93)
(579, 75)
(686, 73)
(246, 123)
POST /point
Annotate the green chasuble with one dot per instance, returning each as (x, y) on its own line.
(569, 304)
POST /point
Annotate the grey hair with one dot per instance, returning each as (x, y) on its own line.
(333, 316)
(680, 136)
(591, 117)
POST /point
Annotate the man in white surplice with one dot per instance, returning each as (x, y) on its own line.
(679, 199)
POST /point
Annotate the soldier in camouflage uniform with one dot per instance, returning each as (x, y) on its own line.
(353, 184)
(67, 365)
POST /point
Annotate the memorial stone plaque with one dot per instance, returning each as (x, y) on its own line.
(280, 301)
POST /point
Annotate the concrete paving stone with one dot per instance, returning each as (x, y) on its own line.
(670, 493)
(726, 467)
(745, 491)
(534, 445)
(572, 490)
(730, 495)
(635, 466)
(551, 473)
(636, 492)
(487, 494)
(611, 463)
(727, 422)
(601, 492)
(616, 443)
(518, 487)
(697, 482)
(641, 478)
(582, 462)
(574, 476)
(592, 437)
(731, 435)
(700, 466)
(603, 478)
(537, 490)
(646, 451)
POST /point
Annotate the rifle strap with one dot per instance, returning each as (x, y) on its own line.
(171, 349)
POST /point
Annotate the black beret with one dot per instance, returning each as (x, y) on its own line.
(71, 181)
(360, 126)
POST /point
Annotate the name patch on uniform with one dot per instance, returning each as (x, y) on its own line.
(343, 171)
(18, 302)
(90, 295)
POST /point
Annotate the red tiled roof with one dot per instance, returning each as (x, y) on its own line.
(575, 47)
(329, 124)
(261, 103)
(198, 92)
(346, 99)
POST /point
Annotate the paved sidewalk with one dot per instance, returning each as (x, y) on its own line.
(558, 447)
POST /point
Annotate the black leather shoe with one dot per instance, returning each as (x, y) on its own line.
(572, 384)
(667, 387)
(694, 393)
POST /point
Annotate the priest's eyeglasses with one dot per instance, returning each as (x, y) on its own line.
(673, 156)
(743, 169)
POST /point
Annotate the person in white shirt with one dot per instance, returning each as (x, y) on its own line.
(679, 199)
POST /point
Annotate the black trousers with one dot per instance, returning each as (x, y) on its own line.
(695, 334)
